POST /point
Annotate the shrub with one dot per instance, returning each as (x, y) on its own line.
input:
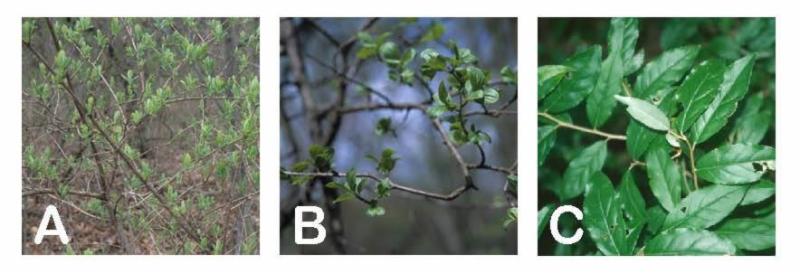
(143, 132)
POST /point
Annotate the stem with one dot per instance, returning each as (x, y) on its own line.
(691, 163)
(560, 123)
(445, 197)
(691, 159)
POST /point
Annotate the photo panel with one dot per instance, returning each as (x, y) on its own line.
(656, 136)
(140, 136)
(398, 136)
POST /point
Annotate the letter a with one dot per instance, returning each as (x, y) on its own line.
(51, 212)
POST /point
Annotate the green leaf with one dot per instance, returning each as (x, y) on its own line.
(548, 78)
(655, 218)
(698, 91)
(664, 71)
(344, 197)
(547, 138)
(508, 75)
(385, 164)
(490, 96)
(734, 87)
(383, 188)
(434, 32)
(622, 38)
(575, 87)
(686, 241)
(758, 192)
(389, 53)
(753, 123)
(602, 217)
(383, 126)
(735, 164)
(375, 210)
(749, 234)
(641, 138)
(600, 103)
(511, 217)
(632, 201)
(645, 112)
(544, 218)
(635, 63)
(705, 207)
(581, 169)
(321, 156)
(186, 161)
(664, 178)
(625, 41)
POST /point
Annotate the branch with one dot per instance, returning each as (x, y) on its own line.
(560, 123)
(445, 197)
(457, 156)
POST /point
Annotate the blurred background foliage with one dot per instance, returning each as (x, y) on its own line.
(471, 224)
(727, 39)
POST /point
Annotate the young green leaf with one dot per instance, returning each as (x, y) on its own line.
(581, 169)
(374, 210)
(645, 112)
(572, 90)
(735, 164)
(734, 86)
(603, 217)
(749, 234)
(666, 70)
(665, 179)
(705, 207)
(686, 241)
(698, 91)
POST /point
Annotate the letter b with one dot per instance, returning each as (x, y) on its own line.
(316, 224)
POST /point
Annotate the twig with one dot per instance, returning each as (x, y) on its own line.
(560, 123)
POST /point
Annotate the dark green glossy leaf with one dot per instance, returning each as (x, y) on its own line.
(621, 45)
(632, 201)
(544, 218)
(686, 241)
(581, 169)
(640, 138)
(758, 192)
(635, 63)
(753, 123)
(655, 218)
(705, 207)
(735, 164)
(548, 78)
(547, 138)
(577, 84)
(749, 234)
(602, 217)
(698, 91)
(734, 87)
(664, 178)
(666, 70)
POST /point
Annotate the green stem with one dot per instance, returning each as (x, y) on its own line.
(560, 123)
